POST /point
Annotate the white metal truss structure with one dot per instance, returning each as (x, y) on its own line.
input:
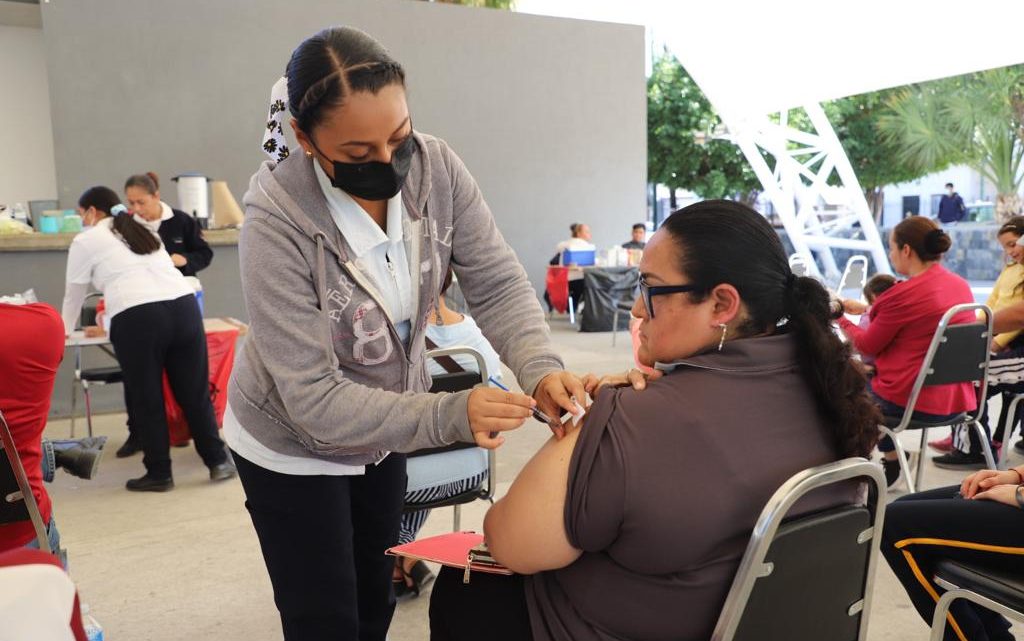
(795, 168)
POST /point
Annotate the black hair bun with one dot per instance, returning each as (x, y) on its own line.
(937, 242)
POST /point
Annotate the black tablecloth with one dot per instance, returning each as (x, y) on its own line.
(605, 287)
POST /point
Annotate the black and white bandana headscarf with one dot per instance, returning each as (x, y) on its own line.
(274, 143)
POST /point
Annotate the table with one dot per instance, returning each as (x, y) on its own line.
(221, 335)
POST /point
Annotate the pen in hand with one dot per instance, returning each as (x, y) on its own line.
(537, 414)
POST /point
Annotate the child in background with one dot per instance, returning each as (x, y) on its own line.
(875, 287)
(1006, 366)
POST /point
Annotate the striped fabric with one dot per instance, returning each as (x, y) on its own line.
(413, 521)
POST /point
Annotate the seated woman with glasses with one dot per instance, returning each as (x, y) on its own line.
(633, 525)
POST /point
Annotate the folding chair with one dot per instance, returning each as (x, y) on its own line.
(456, 382)
(810, 577)
(1008, 430)
(855, 275)
(89, 377)
(957, 354)
(19, 503)
(996, 590)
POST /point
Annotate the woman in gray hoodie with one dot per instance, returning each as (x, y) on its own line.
(343, 253)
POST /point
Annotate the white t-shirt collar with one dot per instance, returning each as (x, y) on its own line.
(359, 228)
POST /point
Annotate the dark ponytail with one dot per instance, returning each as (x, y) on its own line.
(839, 386)
(106, 201)
(722, 241)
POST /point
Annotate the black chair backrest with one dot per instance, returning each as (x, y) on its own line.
(818, 572)
(961, 356)
(451, 382)
(12, 508)
(455, 381)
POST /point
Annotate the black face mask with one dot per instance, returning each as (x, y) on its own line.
(373, 180)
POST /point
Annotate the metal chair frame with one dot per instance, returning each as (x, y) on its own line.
(753, 566)
(848, 270)
(24, 492)
(954, 592)
(970, 418)
(486, 491)
(83, 381)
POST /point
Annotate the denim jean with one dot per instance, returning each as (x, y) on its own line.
(49, 457)
(891, 409)
(53, 536)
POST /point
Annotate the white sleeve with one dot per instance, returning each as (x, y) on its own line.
(77, 279)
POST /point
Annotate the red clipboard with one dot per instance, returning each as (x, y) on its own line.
(451, 550)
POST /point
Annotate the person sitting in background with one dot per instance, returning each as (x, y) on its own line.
(1006, 364)
(31, 349)
(579, 241)
(448, 474)
(875, 287)
(155, 327)
(903, 322)
(977, 522)
(180, 233)
(633, 525)
(951, 207)
(639, 237)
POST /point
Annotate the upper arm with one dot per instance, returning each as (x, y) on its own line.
(525, 530)
(569, 499)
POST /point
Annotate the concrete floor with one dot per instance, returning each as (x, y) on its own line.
(186, 564)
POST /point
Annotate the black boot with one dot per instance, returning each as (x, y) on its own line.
(149, 483)
(81, 461)
(130, 447)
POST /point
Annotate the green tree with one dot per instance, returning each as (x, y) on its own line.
(976, 119)
(875, 160)
(681, 150)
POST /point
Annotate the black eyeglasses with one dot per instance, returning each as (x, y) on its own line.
(647, 293)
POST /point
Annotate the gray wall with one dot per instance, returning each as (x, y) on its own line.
(44, 272)
(549, 114)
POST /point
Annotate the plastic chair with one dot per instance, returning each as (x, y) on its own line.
(996, 590)
(19, 503)
(457, 382)
(855, 275)
(957, 354)
(89, 377)
(810, 577)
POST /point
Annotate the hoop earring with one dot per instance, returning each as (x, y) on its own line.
(721, 341)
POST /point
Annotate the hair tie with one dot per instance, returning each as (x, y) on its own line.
(274, 143)
(118, 209)
(936, 234)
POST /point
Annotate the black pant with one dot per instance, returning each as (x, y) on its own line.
(924, 528)
(149, 339)
(323, 540)
(490, 606)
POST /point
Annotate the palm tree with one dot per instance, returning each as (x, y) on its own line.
(975, 119)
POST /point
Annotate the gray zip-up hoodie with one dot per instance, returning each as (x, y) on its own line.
(323, 373)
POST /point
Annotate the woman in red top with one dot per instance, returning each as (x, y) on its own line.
(31, 348)
(903, 321)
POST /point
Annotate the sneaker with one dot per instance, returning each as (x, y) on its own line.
(942, 445)
(892, 472)
(149, 483)
(957, 460)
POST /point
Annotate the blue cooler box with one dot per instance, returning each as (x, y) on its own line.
(582, 257)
